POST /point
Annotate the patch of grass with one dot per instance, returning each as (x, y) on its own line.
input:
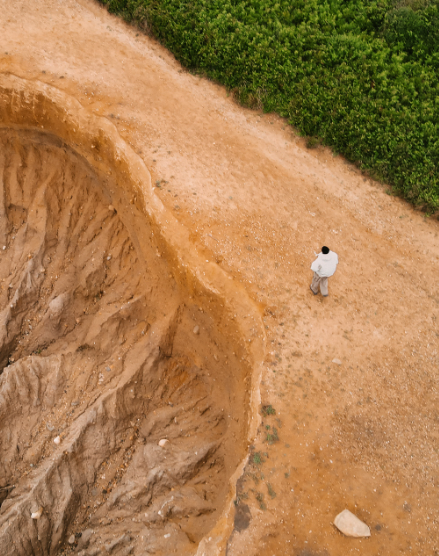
(260, 499)
(268, 410)
(271, 491)
(257, 458)
(313, 142)
(272, 436)
(242, 496)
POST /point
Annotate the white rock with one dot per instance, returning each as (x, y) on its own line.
(336, 361)
(57, 439)
(71, 539)
(57, 305)
(196, 329)
(37, 514)
(350, 525)
(163, 441)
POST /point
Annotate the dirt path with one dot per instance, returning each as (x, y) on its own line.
(362, 435)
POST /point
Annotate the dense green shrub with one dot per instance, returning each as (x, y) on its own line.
(415, 29)
(360, 75)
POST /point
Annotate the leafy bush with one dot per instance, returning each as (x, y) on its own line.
(359, 75)
(415, 29)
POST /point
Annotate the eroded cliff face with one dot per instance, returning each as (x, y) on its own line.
(123, 407)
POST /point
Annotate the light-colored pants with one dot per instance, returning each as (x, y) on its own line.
(319, 281)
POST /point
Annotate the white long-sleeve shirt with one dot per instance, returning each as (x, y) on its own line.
(325, 265)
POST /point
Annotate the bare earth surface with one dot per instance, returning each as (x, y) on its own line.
(360, 433)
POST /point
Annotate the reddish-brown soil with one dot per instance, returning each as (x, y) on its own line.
(362, 434)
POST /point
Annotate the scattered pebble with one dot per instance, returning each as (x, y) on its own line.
(350, 525)
(85, 538)
(49, 427)
(37, 514)
(336, 361)
(57, 439)
(196, 329)
(163, 442)
(72, 539)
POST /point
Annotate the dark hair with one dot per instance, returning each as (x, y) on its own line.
(325, 250)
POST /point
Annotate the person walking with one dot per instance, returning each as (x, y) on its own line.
(324, 266)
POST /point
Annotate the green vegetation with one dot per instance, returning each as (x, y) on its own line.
(271, 491)
(272, 436)
(268, 410)
(358, 75)
(260, 499)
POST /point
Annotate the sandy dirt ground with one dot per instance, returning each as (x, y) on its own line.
(359, 433)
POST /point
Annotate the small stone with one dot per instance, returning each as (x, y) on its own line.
(109, 258)
(196, 329)
(167, 535)
(216, 357)
(163, 442)
(57, 440)
(350, 525)
(108, 369)
(336, 361)
(72, 539)
(110, 207)
(37, 514)
(49, 427)
(74, 403)
(85, 538)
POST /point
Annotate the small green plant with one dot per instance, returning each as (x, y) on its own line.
(260, 499)
(313, 142)
(257, 458)
(271, 491)
(268, 410)
(241, 496)
(272, 436)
